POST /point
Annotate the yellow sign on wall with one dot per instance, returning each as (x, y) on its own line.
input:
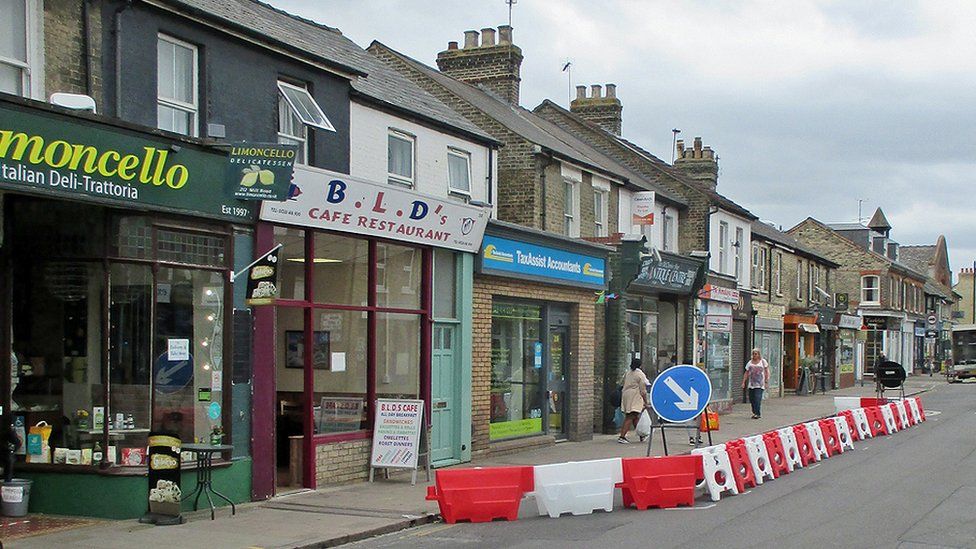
(517, 428)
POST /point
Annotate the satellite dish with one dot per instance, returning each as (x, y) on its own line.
(891, 374)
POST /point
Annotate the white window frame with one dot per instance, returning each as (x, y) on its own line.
(571, 215)
(739, 236)
(668, 237)
(466, 156)
(876, 288)
(799, 280)
(34, 52)
(399, 179)
(192, 108)
(723, 247)
(601, 213)
(778, 273)
(288, 138)
(324, 124)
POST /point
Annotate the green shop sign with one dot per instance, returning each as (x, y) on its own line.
(261, 171)
(56, 154)
(517, 428)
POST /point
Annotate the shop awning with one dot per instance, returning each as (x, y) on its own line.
(809, 328)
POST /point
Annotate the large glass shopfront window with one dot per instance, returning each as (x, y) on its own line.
(517, 397)
(771, 346)
(718, 357)
(117, 324)
(642, 333)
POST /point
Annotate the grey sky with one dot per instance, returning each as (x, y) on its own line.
(809, 105)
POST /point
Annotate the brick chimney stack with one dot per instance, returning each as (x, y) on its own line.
(698, 163)
(602, 109)
(495, 66)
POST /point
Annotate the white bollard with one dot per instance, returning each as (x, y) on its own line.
(791, 448)
(718, 471)
(915, 413)
(759, 458)
(817, 440)
(844, 433)
(900, 406)
(889, 419)
(861, 422)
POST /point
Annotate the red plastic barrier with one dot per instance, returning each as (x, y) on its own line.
(894, 411)
(663, 482)
(803, 443)
(876, 421)
(480, 494)
(777, 454)
(867, 402)
(745, 477)
(851, 424)
(831, 436)
(921, 411)
(908, 412)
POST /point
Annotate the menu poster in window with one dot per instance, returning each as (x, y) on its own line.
(396, 433)
(261, 171)
(262, 280)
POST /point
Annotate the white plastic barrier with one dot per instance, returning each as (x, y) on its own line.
(577, 487)
(844, 433)
(846, 403)
(915, 412)
(816, 440)
(759, 458)
(900, 406)
(889, 419)
(718, 471)
(791, 448)
(862, 423)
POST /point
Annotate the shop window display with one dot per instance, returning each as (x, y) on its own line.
(718, 357)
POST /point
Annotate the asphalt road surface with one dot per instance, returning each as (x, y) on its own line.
(915, 489)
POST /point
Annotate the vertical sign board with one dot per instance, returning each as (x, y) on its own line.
(642, 208)
(396, 433)
(262, 280)
(261, 171)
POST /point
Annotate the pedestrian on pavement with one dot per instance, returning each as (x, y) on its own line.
(633, 399)
(757, 378)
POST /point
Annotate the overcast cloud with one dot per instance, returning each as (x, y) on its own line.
(809, 105)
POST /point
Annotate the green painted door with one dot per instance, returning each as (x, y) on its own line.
(445, 396)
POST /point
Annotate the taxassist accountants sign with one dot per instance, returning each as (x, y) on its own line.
(46, 152)
(328, 200)
(502, 256)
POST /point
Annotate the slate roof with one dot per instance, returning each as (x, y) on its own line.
(879, 221)
(308, 39)
(772, 234)
(847, 226)
(532, 127)
(917, 257)
(934, 288)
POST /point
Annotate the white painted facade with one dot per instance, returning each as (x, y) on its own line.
(655, 233)
(723, 229)
(369, 131)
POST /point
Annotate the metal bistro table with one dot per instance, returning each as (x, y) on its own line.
(204, 454)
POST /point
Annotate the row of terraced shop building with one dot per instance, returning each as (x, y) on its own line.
(120, 233)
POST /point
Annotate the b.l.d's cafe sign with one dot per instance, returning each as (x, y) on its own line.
(329, 200)
(43, 151)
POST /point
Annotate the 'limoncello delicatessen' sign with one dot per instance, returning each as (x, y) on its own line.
(54, 154)
(261, 171)
(507, 257)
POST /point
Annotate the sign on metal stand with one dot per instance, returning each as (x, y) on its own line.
(679, 395)
(397, 437)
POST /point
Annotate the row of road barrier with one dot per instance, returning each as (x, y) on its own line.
(483, 494)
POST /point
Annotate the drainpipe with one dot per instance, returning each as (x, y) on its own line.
(117, 31)
(86, 44)
(543, 164)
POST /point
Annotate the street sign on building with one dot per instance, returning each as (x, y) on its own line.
(680, 393)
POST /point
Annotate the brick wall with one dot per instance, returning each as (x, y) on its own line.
(342, 462)
(64, 49)
(582, 353)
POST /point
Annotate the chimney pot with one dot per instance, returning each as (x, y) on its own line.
(580, 92)
(596, 91)
(611, 90)
(453, 45)
(707, 152)
(504, 34)
(487, 37)
(470, 39)
(679, 146)
(698, 147)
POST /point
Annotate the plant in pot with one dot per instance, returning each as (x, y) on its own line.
(165, 498)
(82, 419)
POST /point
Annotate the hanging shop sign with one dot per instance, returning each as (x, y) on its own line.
(328, 200)
(849, 322)
(54, 154)
(642, 207)
(671, 274)
(396, 433)
(505, 257)
(842, 301)
(262, 280)
(261, 171)
(718, 293)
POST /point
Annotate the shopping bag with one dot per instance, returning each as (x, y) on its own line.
(618, 417)
(709, 421)
(38, 449)
(644, 424)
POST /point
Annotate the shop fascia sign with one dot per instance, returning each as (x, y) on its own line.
(669, 274)
(642, 207)
(328, 200)
(849, 322)
(514, 258)
(718, 293)
(55, 154)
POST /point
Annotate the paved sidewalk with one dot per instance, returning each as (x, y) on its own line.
(336, 515)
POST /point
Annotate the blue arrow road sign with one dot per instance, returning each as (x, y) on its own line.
(172, 375)
(680, 393)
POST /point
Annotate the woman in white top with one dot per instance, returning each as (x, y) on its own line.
(757, 379)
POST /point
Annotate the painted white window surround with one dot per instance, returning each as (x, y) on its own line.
(723, 257)
(870, 290)
(723, 247)
(740, 246)
(177, 86)
(304, 105)
(799, 280)
(459, 171)
(291, 130)
(22, 48)
(778, 273)
(400, 157)
(571, 208)
(600, 207)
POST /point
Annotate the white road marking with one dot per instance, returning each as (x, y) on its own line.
(696, 508)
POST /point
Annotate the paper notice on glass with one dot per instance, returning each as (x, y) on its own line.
(177, 349)
(338, 362)
(216, 379)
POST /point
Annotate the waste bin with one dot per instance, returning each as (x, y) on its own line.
(15, 496)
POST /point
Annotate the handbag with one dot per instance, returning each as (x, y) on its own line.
(709, 421)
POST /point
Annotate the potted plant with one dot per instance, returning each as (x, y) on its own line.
(165, 498)
(217, 435)
(81, 419)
